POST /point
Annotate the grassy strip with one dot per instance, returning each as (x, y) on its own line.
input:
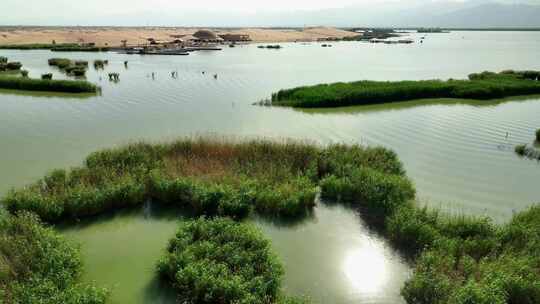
(221, 261)
(45, 85)
(485, 85)
(38, 266)
(36, 46)
(79, 49)
(207, 176)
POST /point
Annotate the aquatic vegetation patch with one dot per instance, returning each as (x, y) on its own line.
(47, 85)
(538, 135)
(458, 259)
(75, 68)
(209, 177)
(527, 151)
(79, 49)
(37, 46)
(486, 85)
(221, 261)
(39, 266)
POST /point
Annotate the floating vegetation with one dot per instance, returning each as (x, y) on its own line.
(37, 265)
(79, 49)
(47, 76)
(75, 68)
(37, 46)
(100, 64)
(46, 85)
(221, 261)
(486, 85)
(270, 46)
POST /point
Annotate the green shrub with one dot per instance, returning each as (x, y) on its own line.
(221, 261)
(36, 46)
(24, 73)
(538, 135)
(369, 189)
(3, 59)
(13, 66)
(520, 149)
(61, 63)
(40, 266)
(47, 76)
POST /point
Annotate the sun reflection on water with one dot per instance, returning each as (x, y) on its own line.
(366, 268)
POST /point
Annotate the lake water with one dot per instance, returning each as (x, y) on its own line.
(457, 154)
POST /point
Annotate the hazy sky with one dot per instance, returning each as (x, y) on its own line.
(208, 12)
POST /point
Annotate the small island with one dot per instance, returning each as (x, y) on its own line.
(485, 85)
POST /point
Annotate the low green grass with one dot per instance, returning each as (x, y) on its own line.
(486, 85)
(39, 266)
(46, 85)
(221, 261)
(36, 46)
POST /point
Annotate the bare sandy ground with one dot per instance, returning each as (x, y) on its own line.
(113, 36)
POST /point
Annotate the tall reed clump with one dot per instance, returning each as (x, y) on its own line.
(209, 177)
(36, 46)
(46, 85)
(486, 85)
(538, 135)
(221, 261)
(39, 266)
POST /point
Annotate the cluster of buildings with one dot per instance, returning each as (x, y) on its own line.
(202, 37)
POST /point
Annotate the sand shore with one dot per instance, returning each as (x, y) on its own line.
(113, 36)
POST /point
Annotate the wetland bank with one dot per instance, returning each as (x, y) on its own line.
(473, 178)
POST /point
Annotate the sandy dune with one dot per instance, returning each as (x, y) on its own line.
(113, 36)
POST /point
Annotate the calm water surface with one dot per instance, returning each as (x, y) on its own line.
(457, 154)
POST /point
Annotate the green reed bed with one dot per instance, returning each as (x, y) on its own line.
(36, 46)
(206, 176)
(46, 85)
(39, 266)
(486, 85)
(223, 261)
(79, 49)
(75, 68)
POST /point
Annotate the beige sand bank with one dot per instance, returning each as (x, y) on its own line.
(113, 36)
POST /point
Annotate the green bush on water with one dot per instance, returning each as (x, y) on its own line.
(60, 63)
(486, 85)
(39, 266)
(75, 68)
(3, 59)
(207, 176)
(28, 84)
(538, 135)
(221, 261)
(36, 46)
(79, 49)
